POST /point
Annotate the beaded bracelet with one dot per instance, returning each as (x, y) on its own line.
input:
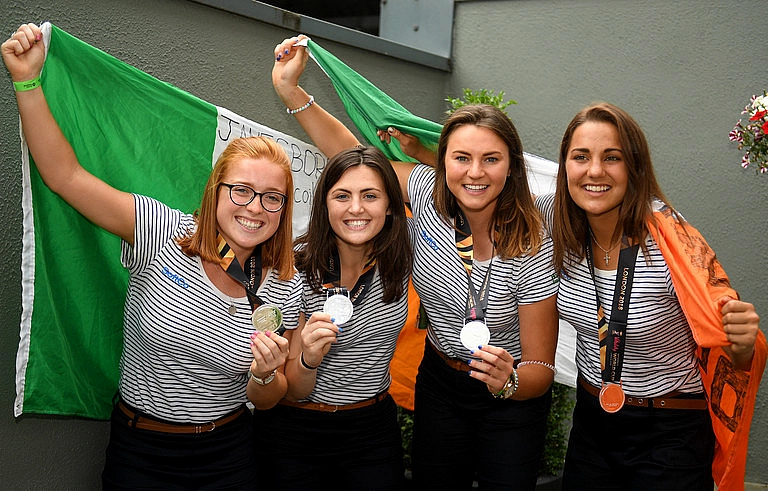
(299, 109)
(509, 388)
(27, 84)
(538, 362)
(305, 364)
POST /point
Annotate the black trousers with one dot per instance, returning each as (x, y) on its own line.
(218, 460)
(638, 448)
(352, 449)
(461, 433)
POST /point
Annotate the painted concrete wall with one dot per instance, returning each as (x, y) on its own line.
(680, 69)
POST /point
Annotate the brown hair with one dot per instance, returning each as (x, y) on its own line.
(392, 245)
(570, 226)
(277, 251)
(517, 220)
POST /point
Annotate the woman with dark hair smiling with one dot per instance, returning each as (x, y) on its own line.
(483, 272)
(337, 427)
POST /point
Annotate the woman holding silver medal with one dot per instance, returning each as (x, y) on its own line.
(641, 419)
(181, 419)
(337, 427)
(483, 272)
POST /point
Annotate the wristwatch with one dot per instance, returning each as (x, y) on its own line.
(263, 381)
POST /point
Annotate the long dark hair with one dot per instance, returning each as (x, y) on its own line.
(392, 245)
(517, 220)
(570, 225)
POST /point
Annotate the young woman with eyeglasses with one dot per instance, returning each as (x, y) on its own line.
(191, 357)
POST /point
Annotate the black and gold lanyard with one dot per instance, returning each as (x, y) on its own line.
(332, 279)
(250, 278)
(612, 335)
(476, 302)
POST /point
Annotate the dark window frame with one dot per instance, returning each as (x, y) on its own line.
(315, 27)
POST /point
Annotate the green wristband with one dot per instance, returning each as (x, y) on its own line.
(27, 84)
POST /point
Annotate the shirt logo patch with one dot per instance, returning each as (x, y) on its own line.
(175, 278)
(429, 240)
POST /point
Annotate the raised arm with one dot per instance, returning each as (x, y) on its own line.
(328, 133)
(107, 207)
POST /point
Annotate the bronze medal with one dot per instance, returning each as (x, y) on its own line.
(611, 397)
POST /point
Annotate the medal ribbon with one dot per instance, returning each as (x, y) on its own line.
(476, 303)
(612, 335)
(250, 278)
(332, 279)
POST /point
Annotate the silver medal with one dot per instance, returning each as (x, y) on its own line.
(474, 334)
(339, 307)
(267, 318)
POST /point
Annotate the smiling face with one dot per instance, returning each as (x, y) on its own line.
(477, 165)
(358, 206)
(245, 227)
(596, 170)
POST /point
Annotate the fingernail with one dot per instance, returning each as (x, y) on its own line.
(268, 334)
(253, 335)
(390, 130)
(287, 51)
(341, 330)
(469, 372)
(471, 352)
(469, 362)
(333, 320)
(480, 347)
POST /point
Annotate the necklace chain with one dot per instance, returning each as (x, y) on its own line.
(607, 256)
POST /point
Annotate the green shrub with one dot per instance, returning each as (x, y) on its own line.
(481, 96)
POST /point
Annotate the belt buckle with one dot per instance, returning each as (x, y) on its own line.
(201, 428)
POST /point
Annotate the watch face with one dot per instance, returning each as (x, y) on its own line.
(265, 380)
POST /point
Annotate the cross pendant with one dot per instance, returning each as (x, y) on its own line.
(607, 258)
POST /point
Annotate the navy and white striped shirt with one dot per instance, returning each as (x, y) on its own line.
(357, 365)
(442, 283)
(659, 354)
(185, 357)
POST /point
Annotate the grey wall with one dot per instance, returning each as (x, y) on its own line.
(679, 68)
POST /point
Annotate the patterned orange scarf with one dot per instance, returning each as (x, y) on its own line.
(701, 285)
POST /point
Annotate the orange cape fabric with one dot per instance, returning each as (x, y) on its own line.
(408, 353)
(701, 284)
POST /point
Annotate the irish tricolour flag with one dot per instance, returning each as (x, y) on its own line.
(145, 136)
(140, 135)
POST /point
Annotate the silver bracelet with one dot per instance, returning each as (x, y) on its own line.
(538, 362)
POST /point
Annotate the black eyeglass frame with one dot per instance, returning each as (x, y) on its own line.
(255, 193)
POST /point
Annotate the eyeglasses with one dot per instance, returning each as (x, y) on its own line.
(242, 195)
